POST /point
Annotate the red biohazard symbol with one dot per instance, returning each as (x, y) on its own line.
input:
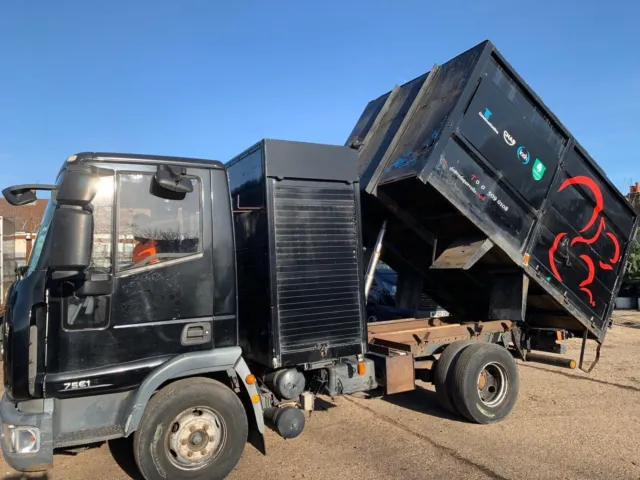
(562, 238)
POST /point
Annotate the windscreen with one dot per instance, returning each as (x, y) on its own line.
(36, 252)
(45, 224)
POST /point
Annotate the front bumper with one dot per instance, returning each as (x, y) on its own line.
(42, 420)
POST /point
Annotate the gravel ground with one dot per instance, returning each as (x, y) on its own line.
(566, 425)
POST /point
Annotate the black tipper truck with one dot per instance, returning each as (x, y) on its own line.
(188, 303)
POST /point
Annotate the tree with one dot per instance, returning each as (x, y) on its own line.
(631, 282)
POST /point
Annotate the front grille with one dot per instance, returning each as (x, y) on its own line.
(318, 277)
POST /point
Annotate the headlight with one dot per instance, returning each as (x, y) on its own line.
(23, 439)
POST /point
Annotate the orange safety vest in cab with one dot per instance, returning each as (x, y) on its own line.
(144, 250)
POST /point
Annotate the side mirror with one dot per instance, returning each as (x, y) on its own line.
(71, 234)
(72, 224)
(169, 182)
(20, 195)
(77, 188)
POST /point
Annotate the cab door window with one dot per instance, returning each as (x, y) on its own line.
(152, 230)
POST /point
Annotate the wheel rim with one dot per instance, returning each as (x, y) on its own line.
(195, 438)
(492, 384)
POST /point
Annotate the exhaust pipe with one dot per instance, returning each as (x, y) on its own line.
(549, 360)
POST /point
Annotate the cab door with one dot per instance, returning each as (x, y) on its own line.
(141, 309)
(162, 297)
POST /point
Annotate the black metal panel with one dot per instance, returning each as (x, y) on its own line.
(479, 153)
(317, 266)
(501, 134)
(247, 185)
(298, 252)
(309, 161)
(481, 195)
(367, 119)
(583, 235)
(225, 332)
(431, 116)
(25, 294)
(527, 109)
(386, 128)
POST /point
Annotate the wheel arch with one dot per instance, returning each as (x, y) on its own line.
(216, 362)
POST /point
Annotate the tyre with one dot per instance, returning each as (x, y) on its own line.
(443, 373)
(192, 429)
(485, 383)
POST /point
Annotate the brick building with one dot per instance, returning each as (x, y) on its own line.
(634, 196)
(18, 228)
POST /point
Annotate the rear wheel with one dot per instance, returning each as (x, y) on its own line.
(192, 429)
(444, 373)
(485, 383)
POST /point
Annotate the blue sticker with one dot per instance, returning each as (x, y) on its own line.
(401, 162)
(523, 155)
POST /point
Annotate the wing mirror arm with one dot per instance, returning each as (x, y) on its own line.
(19, 195)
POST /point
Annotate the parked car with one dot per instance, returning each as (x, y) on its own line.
(381, 302)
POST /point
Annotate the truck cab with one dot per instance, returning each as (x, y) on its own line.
(131, 285)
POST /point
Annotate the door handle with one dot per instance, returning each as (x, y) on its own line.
(196, 333)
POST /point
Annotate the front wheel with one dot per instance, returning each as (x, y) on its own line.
(192, 429)
(485, 383)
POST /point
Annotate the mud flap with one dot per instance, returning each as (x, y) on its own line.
(256, 434)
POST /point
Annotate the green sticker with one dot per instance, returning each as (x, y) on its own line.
(538, 169)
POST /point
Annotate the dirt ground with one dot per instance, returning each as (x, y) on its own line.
(566, 425)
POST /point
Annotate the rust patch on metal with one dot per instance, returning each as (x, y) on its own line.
(482, 380)
(423, 364)
(399, 374)
(390, 344)
(417, 335)
(407, 323)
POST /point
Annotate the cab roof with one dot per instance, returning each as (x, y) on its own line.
(148, 159)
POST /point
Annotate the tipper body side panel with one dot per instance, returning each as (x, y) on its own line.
(483, 189)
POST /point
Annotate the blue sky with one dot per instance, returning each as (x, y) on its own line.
(210, 78)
